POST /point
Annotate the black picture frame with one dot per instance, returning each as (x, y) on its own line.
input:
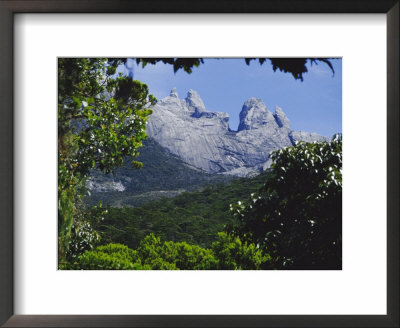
(7, 10)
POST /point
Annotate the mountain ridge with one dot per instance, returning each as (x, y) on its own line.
(204, 140)
(189, 147)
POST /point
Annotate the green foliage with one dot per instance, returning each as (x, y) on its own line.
(83, 236)
(195, 217)
(170, 255)
(106, 114)
(227, 253)
(101, 120)
(163, 175)
(108, 257)
(297, 216)
(233, 254)
(69, 186)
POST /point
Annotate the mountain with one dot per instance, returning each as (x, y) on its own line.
(204, 140)
(190, 147)
(163, 175)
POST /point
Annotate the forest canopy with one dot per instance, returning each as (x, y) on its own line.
(292, 222)
(101, 120)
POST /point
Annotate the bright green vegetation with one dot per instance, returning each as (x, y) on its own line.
(293, 221)
(195, 217)
(162, 175)
(227, 253)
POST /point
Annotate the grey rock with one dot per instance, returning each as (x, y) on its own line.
(281, 118)
(104, 186)
(306, 136)
(244, 172)
(195, 103)
(255, 115)
(203, 139)
(174, 93)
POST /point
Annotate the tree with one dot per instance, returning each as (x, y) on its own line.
(101, 120)
(174, 256)
(296, 66)
(297, 216)
(233, 254)
(109, 257)
(228, 253)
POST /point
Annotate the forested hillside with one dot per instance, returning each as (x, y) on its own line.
(194, 217)
(162, 175)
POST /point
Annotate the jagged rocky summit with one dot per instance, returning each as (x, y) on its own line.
(203, 138)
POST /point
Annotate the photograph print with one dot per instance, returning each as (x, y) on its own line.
(199, 163)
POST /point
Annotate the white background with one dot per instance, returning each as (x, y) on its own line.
(360, 288)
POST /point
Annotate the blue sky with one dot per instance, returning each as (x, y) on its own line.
(314, 105)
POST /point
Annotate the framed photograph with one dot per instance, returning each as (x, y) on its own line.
(210, 102)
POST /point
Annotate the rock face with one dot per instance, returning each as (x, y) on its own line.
(203, 139)
(107, 186)
(281, 118)
(195, 103)
(306, 136)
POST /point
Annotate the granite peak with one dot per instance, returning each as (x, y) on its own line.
(203, 139)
